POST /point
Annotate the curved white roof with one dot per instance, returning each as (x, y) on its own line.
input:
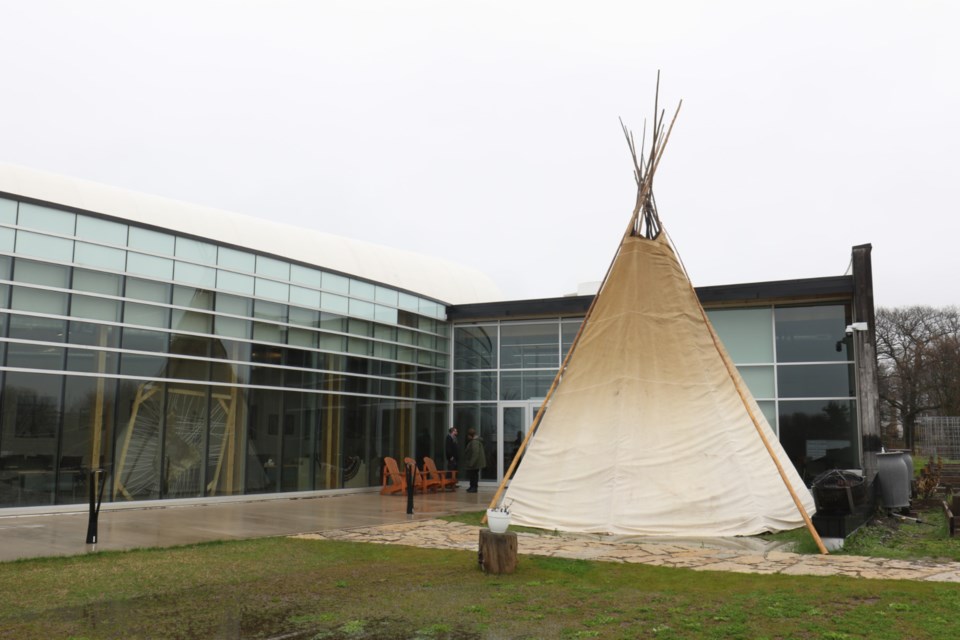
(428, 276)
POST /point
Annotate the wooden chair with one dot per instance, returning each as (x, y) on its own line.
(394, 481)
(444, 479)
(420, 480)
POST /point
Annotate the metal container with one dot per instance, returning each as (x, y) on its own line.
(895, 479)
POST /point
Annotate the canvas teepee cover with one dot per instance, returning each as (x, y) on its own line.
(646, 432)
(650, 430)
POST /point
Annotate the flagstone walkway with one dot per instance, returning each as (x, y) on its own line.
(696, 555)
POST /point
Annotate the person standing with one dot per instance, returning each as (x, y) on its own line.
(474, 459)
(452, 450)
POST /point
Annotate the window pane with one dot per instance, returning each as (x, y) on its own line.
(148, 290)
(25, 299)
(360, 289)
(7, 239)
(267, 332)
(105, 231)
(810, 334)
(51, 275)
(97, 282)
(475, 386)
(335, 283)
(305, 297)
(34, 356)
(273, 268)
(144, 340)
(385, 314)
(231, 327)
(759, 380)
(233, 259)
(97, 256)
(234, 305)
(747, 334)
(145, 315)
(816, 381)
(94, 308)
(145, 265)
(525, 385)
(8, 211)
(34, 216)
(408, 302)
(151, 241)
(432, 309)
(304, 317)
(819, 435)
(96, 335)
(195, 274)
(532, 345)
(385, 295)
(134, 364)
(334, 303)
(302, 337)
(234, 282)
(40, 246)
(269, 311)
(330, 342)
(40, 329)
(306, 276)
(271, 289)
(193, 298)
(568, 331)
(192, 321)
(361, 309)
(196, 251)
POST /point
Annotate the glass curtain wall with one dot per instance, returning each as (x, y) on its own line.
(795, 360)
(504, 362)
(798, 364)
(188, 369)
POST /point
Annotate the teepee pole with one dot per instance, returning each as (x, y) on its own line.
(763, 437)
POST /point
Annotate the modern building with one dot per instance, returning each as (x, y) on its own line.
(194, 353)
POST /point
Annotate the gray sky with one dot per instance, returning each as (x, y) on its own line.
(487, 133)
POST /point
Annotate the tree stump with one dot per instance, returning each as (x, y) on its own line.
(498, 552)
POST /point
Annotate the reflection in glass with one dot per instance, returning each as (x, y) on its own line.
(819, 435)
(529, 345)
(816, 381)
(525, 385)
(28, 438)
(810, 334)
(87, 431)
(747, 334)
(184, 439)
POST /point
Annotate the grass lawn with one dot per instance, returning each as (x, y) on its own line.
(281, 587)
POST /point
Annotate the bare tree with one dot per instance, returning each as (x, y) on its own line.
(918, 349)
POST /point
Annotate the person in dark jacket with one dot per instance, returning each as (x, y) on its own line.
(474, 459)
(452, 450)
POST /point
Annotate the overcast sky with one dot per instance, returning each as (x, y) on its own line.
(487, 133)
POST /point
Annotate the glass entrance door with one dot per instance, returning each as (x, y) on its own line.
(513, 421)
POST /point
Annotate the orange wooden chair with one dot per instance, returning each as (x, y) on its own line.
(394, 481)
(444, 479)
(420, 480)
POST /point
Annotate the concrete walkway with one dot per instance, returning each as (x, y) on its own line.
(370, 517)
(57, 531)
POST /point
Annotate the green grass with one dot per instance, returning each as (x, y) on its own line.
(324, 589)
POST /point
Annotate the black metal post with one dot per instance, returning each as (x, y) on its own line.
(410, 478)
(96, 499)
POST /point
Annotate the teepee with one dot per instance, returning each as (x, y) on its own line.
(648, 428)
